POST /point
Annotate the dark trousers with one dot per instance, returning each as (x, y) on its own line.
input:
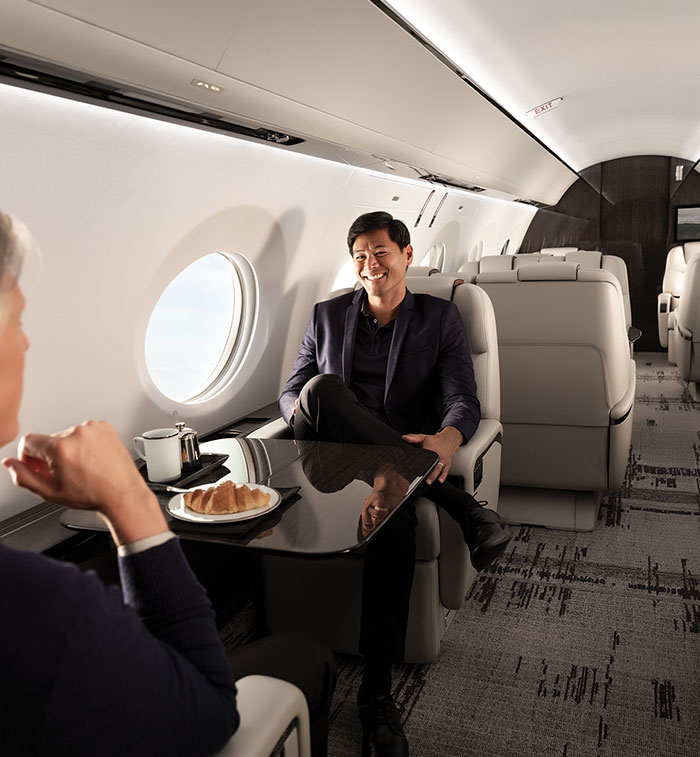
(329, 411)
(298, 658)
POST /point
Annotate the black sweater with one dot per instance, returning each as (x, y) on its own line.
(87, 670)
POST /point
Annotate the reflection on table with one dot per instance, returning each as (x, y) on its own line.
(335, 497)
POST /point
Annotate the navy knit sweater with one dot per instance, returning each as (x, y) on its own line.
(88, 670)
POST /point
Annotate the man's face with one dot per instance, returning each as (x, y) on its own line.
(13, 345)
(380, 264)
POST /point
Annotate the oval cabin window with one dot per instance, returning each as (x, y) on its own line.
(201, 326)
(435, 258)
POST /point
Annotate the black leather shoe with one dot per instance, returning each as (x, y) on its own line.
(486, 535)
(382, 733)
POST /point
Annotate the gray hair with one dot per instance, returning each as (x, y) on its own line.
(15, 242)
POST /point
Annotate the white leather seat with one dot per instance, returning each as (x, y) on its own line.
(684, 339)
(490, 263)
(329, 591)
(567, 391)
(272, 711)
(613, 264)
(669, 298)
(593, 259)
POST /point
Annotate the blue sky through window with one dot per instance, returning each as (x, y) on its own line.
(189, 328)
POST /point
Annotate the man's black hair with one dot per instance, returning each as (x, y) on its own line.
(398, 231)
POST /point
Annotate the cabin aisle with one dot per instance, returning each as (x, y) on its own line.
(576, 644)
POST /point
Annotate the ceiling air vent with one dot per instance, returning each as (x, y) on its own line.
(437, 179)
(531, 202)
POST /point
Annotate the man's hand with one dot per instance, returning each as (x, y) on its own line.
(87, 467)
(446, 442)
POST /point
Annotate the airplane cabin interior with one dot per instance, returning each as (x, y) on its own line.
(189, 173)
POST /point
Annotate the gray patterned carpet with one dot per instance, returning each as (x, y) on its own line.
(576, 644)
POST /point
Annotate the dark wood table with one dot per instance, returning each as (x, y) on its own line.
(336, 497)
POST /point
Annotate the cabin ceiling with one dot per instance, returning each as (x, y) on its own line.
(340, 71)
(627, 71)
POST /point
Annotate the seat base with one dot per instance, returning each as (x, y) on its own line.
(551, 508)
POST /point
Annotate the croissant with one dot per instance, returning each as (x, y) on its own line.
(226, 498)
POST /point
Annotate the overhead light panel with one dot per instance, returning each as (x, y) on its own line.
(207, 85)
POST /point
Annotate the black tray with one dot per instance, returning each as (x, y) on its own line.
(206, 463)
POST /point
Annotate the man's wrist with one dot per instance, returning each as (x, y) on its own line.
(453, 433)
(142, 545)
(134, 517)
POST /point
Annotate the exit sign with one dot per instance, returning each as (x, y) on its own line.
(545, 107)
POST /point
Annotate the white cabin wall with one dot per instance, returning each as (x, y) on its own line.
(119, 204)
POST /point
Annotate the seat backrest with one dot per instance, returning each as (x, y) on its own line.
(419, 270)
(480, 326)
(595, 259)
(688, 312)
(674, 271)
(564, 364)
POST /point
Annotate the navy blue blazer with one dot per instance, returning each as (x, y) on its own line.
(430, 377)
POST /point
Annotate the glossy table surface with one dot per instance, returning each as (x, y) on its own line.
(336, 497)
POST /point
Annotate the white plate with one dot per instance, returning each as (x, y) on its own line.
(178, 509)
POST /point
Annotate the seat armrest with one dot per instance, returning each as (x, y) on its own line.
(275, 429)
(687, 334)
(663, 309)
(268, 707)
(622, 408)
(468, 455)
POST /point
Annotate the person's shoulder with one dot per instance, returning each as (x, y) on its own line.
(49, 582)
(34, 590)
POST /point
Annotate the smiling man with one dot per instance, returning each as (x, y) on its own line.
(384, 366)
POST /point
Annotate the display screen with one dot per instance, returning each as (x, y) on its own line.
(688, 223)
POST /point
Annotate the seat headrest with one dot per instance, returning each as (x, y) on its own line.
(438, 286)
(558, 250)
(585, 258)
(497, 277)
(496, 263)
(536, 257)
(548, 272)
(675, 259)
(691, 249)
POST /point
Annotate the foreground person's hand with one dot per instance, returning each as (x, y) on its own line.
(88, 467)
